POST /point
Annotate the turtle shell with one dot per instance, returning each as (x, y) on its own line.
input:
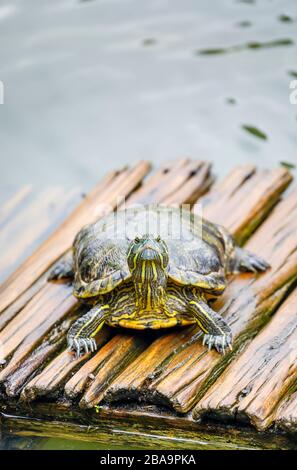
(195, 246)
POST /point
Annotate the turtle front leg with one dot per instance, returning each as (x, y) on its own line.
(62, 269)
(81, 336)
(217, 332)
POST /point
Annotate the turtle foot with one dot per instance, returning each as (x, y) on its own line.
(250, 262)
(219, 342)
(256, 264)
(81, 346)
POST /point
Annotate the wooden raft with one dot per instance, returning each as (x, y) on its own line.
(256, 382)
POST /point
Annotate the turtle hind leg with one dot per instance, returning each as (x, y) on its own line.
(63, 269)
(239, 259)
(244, 261)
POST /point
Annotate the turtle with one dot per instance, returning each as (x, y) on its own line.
(152, 267)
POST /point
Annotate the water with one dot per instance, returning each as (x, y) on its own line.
(93, 85)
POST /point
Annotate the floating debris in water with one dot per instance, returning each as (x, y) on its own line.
(285, 19)
(249, 2)
(244, 24)
(255, 131)
(149, 42)
(219, 50)
(250, 45)
(231, 100)
(293, 73)
(276, 43)
(288, 165)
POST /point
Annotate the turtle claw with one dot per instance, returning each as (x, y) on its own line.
(220, 342)
(82, 346)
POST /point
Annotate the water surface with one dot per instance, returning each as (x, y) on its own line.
(92, 85)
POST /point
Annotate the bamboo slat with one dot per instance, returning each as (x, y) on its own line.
(24, 333)
(248, 194)
(44, 379)
(177, 379)
(32, 223)
(115, 356)
(115, 349)
(181, 181)
(286, 414)
(252, 386)
(59, 368)
(10, 312)
(50, 346)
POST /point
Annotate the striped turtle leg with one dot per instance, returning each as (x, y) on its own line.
(217, 331)
(81, 335)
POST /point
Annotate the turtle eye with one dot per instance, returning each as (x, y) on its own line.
(137, 239)
(158, 239)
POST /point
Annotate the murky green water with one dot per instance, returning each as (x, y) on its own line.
(92, 85)
(43, 443)
(37, 443)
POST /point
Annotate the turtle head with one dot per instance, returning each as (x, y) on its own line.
(147, 255)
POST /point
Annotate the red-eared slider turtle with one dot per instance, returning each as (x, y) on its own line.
(152, 267)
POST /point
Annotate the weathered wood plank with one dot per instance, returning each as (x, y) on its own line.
(58, 369)
(248, 194)
(85, 375)
(27, 231)
(30, 226)
(135, 377)
(286, 414)
(178, 379)
(10, 312)
(104, 197)
(156, 190)
(181, 181)
(252, 386)
(23, 334)
(115, 356)
(51, 344)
